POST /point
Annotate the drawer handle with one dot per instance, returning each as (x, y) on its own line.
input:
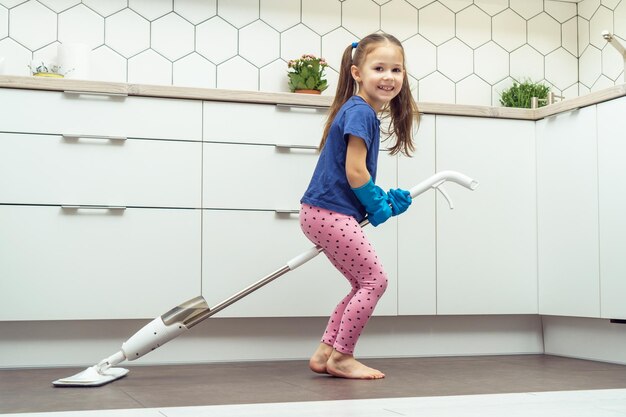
(300, 106)
(88, 207)
(287, 147)
(284, 211)
(94, 93)
(79, 136)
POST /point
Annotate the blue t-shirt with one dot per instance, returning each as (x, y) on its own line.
(329, 187)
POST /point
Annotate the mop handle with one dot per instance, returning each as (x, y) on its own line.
(434, 181)
(439, 178)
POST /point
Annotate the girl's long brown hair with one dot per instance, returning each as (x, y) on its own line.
(402, 109)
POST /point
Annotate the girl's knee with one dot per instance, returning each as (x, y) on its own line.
(377, 287)
(382, 286)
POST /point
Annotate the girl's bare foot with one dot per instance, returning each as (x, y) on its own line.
(319, 358)
(345, 366)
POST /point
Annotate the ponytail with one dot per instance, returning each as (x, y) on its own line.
(346, 88)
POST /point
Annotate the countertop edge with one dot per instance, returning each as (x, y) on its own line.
(576, 103)
(242, 96)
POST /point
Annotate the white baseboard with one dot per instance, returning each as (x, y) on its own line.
(83, 343)
(585, 338)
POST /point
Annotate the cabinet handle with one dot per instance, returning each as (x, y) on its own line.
(300, 106)
(283, 211)
(103, 137)
(572, 110)
(94, 93)
(87, 207)
(283, 147)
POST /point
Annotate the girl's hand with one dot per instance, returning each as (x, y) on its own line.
(400, 200)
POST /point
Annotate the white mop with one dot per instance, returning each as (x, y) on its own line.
(183, 317)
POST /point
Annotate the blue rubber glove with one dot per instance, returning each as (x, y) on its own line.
(376, 202)
(400, 200)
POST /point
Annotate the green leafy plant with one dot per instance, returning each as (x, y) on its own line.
(307, 73)
(520, 94)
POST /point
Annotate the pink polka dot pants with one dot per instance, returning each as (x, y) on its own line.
(350, 252)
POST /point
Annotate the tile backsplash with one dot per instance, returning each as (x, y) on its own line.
(458, 51)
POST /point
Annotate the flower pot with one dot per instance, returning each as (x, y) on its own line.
(308, 91)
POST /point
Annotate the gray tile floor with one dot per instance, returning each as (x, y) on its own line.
(29, 391)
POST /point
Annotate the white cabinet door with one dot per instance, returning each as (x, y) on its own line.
(567, 202)
(612, 206)
(255, 176)
(58, 264)
(486, 246)
(417, 280)
(49, 169)
(31, 111)
(241, 247)
(263, 123)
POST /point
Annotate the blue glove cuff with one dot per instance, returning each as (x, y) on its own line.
(368, 193)
(375, 201)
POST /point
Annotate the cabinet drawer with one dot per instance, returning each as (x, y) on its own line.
(263, 123)
(266, 177)
(255, 176)
(241, 247)
(50, 169)
(60, 264)
(61, 113)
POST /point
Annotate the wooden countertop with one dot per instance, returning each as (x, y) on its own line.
(213, 94)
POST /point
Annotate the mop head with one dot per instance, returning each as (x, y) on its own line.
(91, 377)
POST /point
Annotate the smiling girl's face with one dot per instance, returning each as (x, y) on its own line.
(381, 75)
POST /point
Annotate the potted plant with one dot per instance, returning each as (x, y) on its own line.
(50, 70)
(306, 74)
(521, 94)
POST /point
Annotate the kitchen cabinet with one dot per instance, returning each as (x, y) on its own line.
(79, 264)
(612, 206)
(99, 205)
(567, 203)
(486, 246)
(159, 200)
(417, 272)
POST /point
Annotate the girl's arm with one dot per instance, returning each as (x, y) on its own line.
(356, 169)
(373, 198)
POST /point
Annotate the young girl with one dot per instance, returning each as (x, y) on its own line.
(342, 191)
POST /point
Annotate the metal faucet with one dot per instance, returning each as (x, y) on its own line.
(534, 101)
(552, 96)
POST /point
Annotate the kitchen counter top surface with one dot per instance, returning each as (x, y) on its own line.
(212, 94)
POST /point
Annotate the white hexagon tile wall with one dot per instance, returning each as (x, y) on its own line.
(458, 51)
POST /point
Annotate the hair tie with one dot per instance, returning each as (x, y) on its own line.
(354, 44)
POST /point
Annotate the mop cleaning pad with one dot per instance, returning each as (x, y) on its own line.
(90, 377)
